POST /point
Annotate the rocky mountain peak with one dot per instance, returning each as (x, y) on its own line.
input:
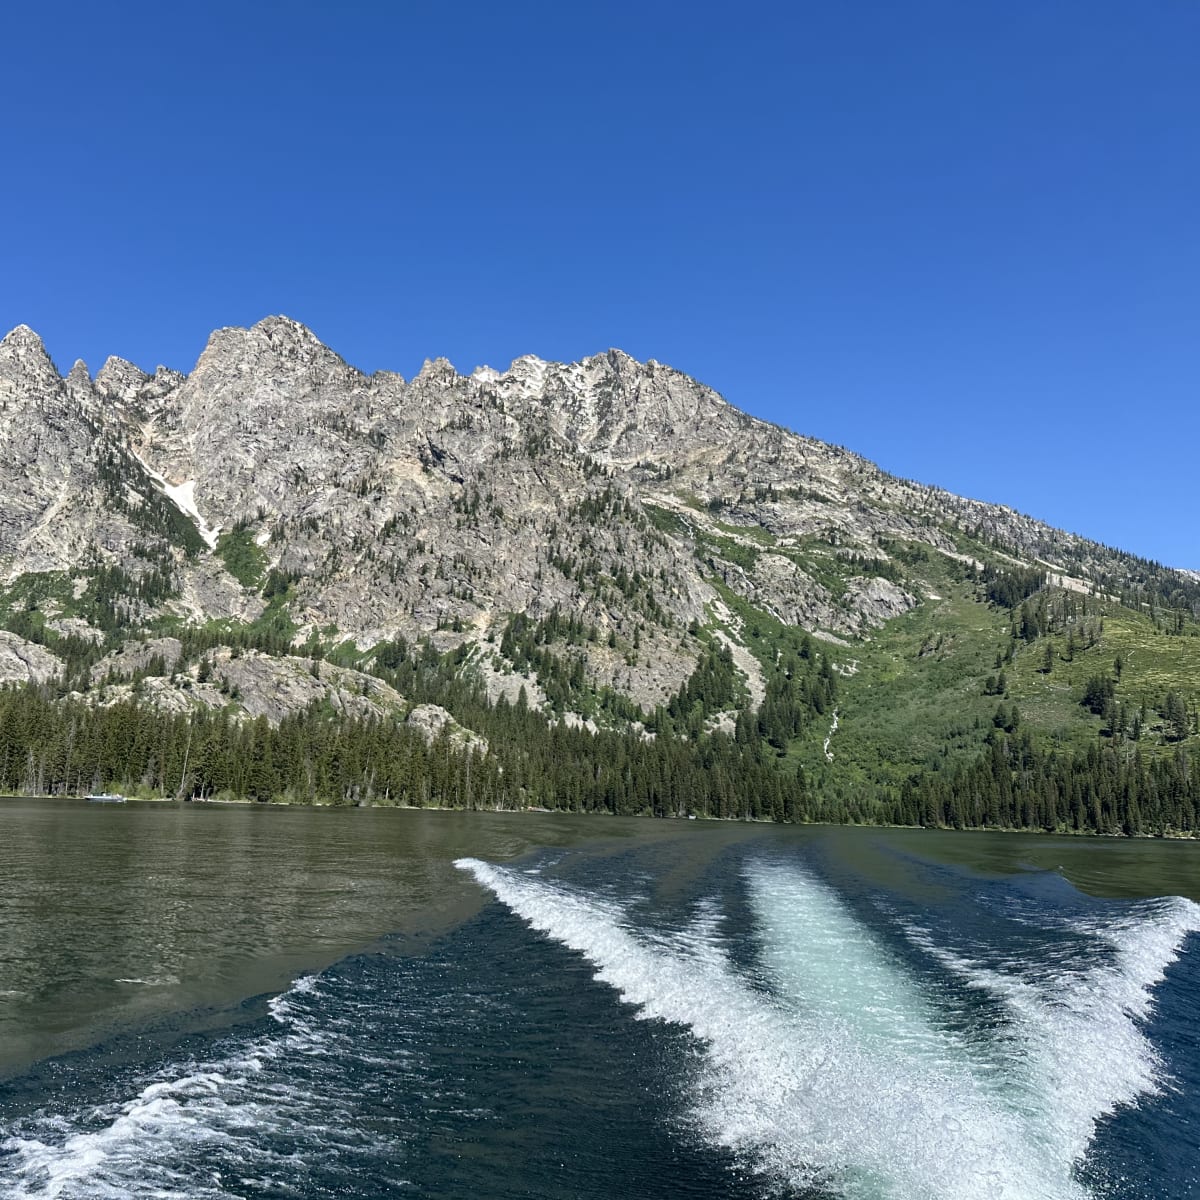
(437, 370)
(620, 362)
(22, 338)
(119, 379)
(23, 349)
(79, 384)
(527, 375)
(284, 332)
(27, 373)
(274, 342)
(435, 509)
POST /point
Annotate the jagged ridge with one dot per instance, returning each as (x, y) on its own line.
(625, 494)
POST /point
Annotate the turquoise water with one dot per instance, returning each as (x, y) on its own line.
(552, 1007)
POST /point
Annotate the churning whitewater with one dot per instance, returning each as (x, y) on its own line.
(760, 1017)
(832, 1064)
(196, 1129)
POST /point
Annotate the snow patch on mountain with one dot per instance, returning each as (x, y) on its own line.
(183, 496)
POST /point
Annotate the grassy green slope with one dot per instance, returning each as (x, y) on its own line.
(915, 695)
(1154, 663)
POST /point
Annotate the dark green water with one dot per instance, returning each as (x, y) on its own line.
(112, 913)
(215, 1002)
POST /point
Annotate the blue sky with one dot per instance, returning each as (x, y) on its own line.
(961, 239)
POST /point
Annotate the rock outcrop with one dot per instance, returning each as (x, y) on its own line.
(277, 486)
(25, 662)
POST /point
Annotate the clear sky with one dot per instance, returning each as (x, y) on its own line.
(962, 239)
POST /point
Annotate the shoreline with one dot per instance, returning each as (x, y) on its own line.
(1169, 836)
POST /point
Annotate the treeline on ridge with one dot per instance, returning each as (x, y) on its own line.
(67, 747)
(704, 752)
(1016, 785)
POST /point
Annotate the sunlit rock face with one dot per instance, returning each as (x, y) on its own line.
(623, 495)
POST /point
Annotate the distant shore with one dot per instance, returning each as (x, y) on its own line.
(206, 802)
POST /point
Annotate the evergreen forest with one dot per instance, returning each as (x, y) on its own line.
(1120, 761)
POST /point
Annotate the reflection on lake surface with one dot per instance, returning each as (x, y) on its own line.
(270, 1002)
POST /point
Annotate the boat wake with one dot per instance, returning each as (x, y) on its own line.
(841, 1052)
(1074, 1035)
(212, 1112)
(836, 1069)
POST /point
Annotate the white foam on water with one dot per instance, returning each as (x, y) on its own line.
(1079, 1050)
(860, 1092)
(828, 964)
(148, 1145)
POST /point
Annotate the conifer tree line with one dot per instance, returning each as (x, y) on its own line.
(50, 746)
(703, 752)
(1170, 598)
(66, 747)
(1008, 587)
(672, 762)
(1016, 785)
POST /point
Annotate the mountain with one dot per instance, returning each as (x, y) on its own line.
(598, 534)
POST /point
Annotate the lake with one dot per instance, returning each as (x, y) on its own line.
(212, 1002)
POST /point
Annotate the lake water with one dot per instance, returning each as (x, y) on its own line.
(210, 1002)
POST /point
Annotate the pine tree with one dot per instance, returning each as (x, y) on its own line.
(1176, 716)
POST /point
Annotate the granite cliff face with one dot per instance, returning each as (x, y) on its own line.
(276, 483)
